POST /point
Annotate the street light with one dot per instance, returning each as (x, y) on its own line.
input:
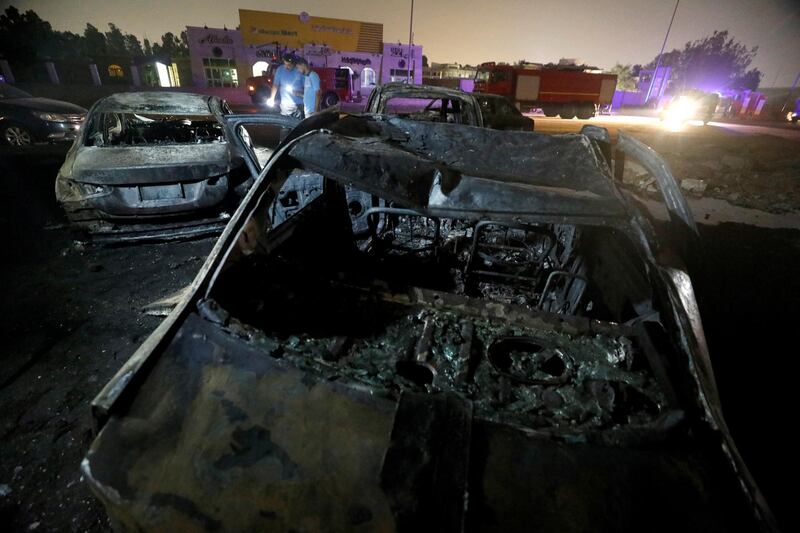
(658, 61)
(410, 34)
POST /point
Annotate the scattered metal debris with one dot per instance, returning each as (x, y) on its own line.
(164, 306)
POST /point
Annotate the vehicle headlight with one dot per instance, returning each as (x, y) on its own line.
(89, 189)
(51, 117)
(681, 110)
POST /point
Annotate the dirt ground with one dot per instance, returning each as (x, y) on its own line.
(71, 316)
(750, 170)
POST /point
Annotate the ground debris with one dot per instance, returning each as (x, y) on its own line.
(694, 186)
(164, 306)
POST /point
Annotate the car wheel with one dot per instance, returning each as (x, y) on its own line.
(16, 136)
(567, 111)
(330, 99)
(585, 111)
(549, 111)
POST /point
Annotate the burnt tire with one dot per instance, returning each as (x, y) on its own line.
(567, 111)
(15, 135)
(329, 99)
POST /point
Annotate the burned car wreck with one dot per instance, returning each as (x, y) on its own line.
(496, 344)
(153, 165)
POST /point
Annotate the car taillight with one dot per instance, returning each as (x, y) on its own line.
(251, 88)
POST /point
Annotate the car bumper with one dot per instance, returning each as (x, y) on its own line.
(57, 131)
(109, 233)
(87, 203)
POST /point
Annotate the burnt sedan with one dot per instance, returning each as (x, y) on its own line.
(153, 165)
(501, 346)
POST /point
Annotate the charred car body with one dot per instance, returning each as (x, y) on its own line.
(152, 164)
(497, 348)
(428, 103)
(500, 114)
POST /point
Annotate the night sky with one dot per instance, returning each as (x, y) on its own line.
(599, 32)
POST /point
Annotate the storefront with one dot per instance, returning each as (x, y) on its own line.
(225, 58)
(365, 67)
(396, 65)
(218, 57)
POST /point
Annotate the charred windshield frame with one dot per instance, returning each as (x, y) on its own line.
(111, 128)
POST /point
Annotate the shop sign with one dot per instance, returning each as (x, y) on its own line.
(398, 51)
(356, 60)
(215, 39)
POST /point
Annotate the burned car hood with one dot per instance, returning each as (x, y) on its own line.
(131, 165)
(156, 102)
(437, 166)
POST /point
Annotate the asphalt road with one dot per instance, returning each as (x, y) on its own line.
(638, 124)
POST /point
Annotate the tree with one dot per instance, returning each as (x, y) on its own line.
(712, 63)
(172, 45)
(23, 34)
(26, 38)
(115, 40)
(626, 79)
(94, 41)
(132, 45)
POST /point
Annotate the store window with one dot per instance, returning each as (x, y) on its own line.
(401, 74)
(220, 72)
(367, 77)
(115, 71)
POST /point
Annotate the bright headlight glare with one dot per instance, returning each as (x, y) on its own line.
(681, 109)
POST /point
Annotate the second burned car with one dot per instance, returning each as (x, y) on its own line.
(428, 103)
(153, 165)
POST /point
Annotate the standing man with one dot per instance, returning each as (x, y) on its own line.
(311, 87)
(289, 81)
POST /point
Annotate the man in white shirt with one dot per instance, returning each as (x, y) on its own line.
(311, 87)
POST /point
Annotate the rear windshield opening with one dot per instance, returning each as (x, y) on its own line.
(426, 109)
(127, 129)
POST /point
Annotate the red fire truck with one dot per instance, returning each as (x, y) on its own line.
(336, 84)
(567, 91)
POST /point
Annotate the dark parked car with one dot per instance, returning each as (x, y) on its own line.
(500, 114)
(504, 347)
(153, 165)
(25, 119)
